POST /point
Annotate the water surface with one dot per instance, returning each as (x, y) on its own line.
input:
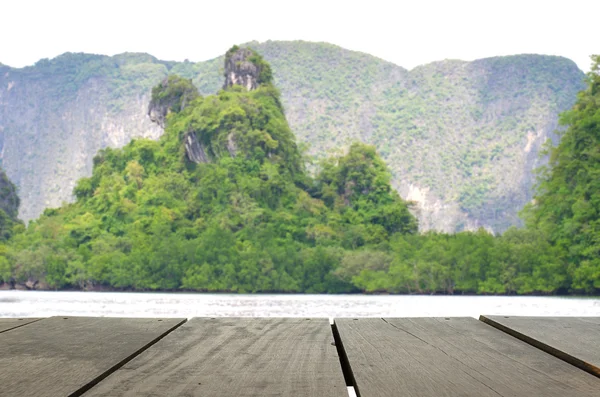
(122, 304)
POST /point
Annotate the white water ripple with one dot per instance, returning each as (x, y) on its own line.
(122, 304)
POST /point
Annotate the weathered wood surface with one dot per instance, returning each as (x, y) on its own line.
(62, 356)
(235, 357)
(6, 324)
(453, 357)
(573, 339)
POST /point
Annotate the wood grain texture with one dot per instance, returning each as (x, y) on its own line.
(434, 357)
(235, 357)
(62, 356)
(590, 320)
(573, 339)
(6, 324)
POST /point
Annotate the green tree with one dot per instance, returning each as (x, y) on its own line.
(566, 207)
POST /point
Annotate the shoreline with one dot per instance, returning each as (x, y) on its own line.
(101, 288)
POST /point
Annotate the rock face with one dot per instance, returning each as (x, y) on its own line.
(173, 94)
(231, 145)
(194, 150)
(239, 70)
(158, 113)
(57, 114)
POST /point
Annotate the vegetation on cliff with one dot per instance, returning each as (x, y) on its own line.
(567, 203)
(245, 216)
(9, 223)
(9, 207)
(173, 94)
(460, 138)
(248, 219)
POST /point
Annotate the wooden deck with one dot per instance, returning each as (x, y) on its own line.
(573, 339)
(7, 324)
(497, 356)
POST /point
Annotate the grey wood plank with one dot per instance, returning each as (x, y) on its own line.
(573, 339)
(63, 356)
(6, 324)
(592, 320)
(239, 357)
(433, 357)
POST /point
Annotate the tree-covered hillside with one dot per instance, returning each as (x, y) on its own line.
(460, 138)
(567, 204)
(57, 114)
(223, 202)
(244, 217)
(9, 207)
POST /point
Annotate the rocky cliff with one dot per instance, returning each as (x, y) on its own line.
(240, 70)
(56, 115)
(173, 94)
(243, 68)
(461, 138)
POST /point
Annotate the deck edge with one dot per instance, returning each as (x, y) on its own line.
(583, 365)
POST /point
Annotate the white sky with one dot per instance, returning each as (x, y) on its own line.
(408, 33)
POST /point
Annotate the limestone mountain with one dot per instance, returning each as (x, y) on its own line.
(460, 138)
(56, 115)
(245, 218)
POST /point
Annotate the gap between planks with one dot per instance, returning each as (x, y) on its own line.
(26, 321)
(120, 364)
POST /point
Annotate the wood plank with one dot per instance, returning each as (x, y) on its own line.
(235, 357)
(432, 357)
(6, 324)
(62, 356)
(573, 339)
(591, 320)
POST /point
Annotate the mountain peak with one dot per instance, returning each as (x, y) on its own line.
(173, 94)
(246, 68)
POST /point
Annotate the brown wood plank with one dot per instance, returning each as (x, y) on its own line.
(6, 324)
(573, 339)
(239, 357)
(432, 357)
(63, 356)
